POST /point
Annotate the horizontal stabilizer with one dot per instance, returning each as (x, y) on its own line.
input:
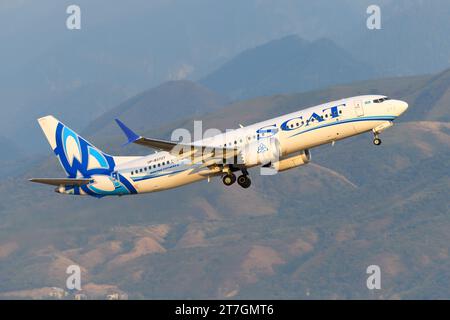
(62, 181)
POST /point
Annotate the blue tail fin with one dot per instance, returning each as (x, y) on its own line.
(77, 156)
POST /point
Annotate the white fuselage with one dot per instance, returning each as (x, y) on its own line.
(296, 131)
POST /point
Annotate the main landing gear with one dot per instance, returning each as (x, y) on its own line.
(243, 180)
(229, 179)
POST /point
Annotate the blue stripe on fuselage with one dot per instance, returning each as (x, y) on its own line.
(159, 175)
(371, 118)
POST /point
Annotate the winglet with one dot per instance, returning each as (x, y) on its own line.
(131, 135)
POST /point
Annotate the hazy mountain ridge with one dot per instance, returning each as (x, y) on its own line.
(290, 64)
(58, 68)
(9, 149)
(434, 97)
(156, 106)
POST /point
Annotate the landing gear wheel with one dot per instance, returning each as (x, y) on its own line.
(244, 181)
(229, 179)
(377, 141)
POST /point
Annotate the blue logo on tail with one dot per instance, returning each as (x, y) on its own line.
(79, 157)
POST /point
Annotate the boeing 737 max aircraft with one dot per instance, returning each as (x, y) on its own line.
(277, 144)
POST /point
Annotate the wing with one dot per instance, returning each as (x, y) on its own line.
(179, 149)
(62, 181)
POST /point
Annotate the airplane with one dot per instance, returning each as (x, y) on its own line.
(277, 144)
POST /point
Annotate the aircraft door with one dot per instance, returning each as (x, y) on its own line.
(359, 109)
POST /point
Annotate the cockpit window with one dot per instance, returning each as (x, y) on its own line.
(381, 100)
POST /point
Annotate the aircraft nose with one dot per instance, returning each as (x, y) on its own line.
(400, 107)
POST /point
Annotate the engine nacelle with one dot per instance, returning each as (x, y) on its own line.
(286, 163)
(261, 152)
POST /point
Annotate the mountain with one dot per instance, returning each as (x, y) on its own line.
(290, 64)
(156, 106)
(9, 149)
(77, 105)
(432, 101)
(45, 64)
(47, 68)
(42, 61)
(306, 233)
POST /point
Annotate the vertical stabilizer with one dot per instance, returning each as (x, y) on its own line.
(78, 157)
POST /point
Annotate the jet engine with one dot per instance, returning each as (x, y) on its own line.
(291, 161)
(261, 152)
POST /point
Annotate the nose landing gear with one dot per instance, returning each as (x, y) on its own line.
(376, 140)
(376, 131)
